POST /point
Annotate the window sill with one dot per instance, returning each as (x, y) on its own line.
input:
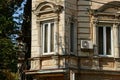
(51, 53)
(105, 56)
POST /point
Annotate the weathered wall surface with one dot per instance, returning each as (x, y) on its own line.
(36, 50)
(83, 24)
(86, 30)
(78, 11)
(98, 77)
(97, 4)
(70, 16)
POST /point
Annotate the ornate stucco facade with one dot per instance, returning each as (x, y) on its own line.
(75, 40)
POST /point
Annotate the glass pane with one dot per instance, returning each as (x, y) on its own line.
(52, 38)
(100, 40)
(108, 40)
(71, 37)
(46, 38)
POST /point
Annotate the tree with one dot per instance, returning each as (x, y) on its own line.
(26, 29)
(8, 58)
(26, 34)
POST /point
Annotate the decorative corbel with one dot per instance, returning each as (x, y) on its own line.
(58, 8)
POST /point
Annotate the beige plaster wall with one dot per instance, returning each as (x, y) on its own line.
(100, 3)
(70, 13)
(80, 11)
(35, 46)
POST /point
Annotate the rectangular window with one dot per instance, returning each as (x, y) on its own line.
(104, 41)
(52, 38)
(71, 37)
(45, 38)
(48, 37)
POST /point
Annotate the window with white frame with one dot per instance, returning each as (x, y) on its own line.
(47, 36)
(105, 40)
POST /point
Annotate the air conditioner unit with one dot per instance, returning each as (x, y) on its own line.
(86, 44)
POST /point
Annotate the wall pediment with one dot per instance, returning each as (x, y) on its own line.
(108, 13)
(111, 7)
(47, 7)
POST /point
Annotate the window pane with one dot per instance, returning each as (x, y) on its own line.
(46, 38)
(100, 40)
(108, 40)
(71, 37)
(52, 38)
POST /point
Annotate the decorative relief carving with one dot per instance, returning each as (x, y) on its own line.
(106, 17)
(73, 62)
(47, 7)
(86, 63)
(58, 8)
(106, 63)
(118, 65)
(48, 62)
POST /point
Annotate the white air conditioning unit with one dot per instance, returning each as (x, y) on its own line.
(86, 44)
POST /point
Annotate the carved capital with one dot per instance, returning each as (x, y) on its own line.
(58, 8)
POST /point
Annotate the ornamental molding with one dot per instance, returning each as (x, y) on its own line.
(108, 13)
(109, 9)
(47, 7)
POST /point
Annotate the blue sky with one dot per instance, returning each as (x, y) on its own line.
(18, 18)
(18, 15)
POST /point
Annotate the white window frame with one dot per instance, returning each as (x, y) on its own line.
(104, 41)
(49, 37)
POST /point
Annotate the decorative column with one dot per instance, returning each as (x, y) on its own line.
(72, 75)
(95, 60)
(116, 46)
(115, 41)
(39, 38)
(94, 38)
(56, 36)
(57, 10)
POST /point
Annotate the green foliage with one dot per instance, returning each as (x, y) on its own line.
(8, 58)
(7, 75)
(6, 24)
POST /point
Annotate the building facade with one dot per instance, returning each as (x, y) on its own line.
(75, 40)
